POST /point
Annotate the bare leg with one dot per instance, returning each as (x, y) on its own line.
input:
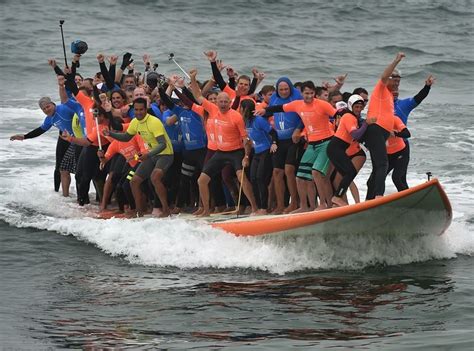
(65, 182)
(247, 188)
(324, 190)
(138, 195)
(279, 184)
(292, 188)
(355, 192)
(107, 192)
(301, 186)
(156, 178)
(311, 192)
(203, 183)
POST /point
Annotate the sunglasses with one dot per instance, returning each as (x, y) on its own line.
(395, 77)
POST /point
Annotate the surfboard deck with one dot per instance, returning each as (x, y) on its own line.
(424, 209)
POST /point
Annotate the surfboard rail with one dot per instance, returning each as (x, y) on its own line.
(423, 209)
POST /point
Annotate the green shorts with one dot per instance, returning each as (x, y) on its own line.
(314, 158)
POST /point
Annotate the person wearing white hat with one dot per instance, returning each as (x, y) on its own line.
(350, 129)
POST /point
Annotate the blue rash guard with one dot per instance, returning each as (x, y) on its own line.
(258, 130)
(285, 122)
(77, 107)
(156, 110)
(192, 128)
(62, 118)
(403, 108)
(173, 131)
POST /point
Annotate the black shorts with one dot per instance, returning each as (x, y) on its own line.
(287, 153)
(222, 158)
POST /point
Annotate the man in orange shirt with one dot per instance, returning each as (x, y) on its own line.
(381, 107)
(315, 114)
(233, 145)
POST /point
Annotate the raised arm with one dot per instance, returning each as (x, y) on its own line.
(127, 60)
(55, 67)
(195, 86)
(423, 93)
(62, 89)
(389, 69)
(212, 57)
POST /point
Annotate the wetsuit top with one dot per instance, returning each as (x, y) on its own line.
(156, 110)
(395, 143)
(149, 128)
(381, 106)
(87, 104)
(403, 107)
(192, 129)
(173, 131)
(258, 130)
(285, 122)
(61, 119)
(129, 149)
(209, 126)
(229, 127)
(92, 136)
(315, 117)
(79, 120)
(347, 124)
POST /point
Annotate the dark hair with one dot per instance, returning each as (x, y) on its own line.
(308, 84)
(266, 89)
(78, 74)
(120, 92)
(319, 90)
(140, 100)
(345, 96)
(129, 76)
(243, 76)
(334, 93)
(359, 91)
(247, 106)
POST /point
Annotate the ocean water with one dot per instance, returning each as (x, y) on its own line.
(69, 281)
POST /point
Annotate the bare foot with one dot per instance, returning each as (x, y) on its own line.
(292, 207)
(164, 214)
(260, 212)
(278, 211)
(175, 210)
(204, 213)
(198, 211)
(339, 202)
(156, 212)
(321, 207)
(300, 210)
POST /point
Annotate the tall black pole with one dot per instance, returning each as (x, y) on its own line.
(61, 22)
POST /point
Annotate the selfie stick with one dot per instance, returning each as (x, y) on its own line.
(171, 58)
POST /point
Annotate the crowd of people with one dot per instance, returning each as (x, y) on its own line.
(165, 145)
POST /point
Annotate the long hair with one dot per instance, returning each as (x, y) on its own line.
(247, 108)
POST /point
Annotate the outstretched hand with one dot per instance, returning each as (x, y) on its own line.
(193, 74)
(341, 79)
(211, 55)
(400, 56)
(430, 80)
(52, 63)
(20, 137)
(100, 57)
